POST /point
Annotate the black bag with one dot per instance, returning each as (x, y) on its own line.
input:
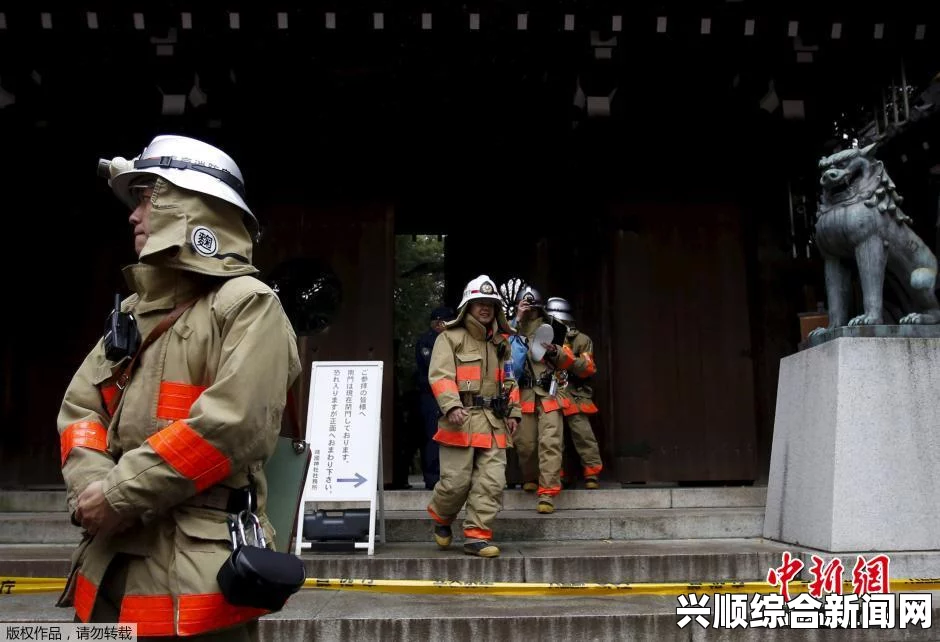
(257, 576)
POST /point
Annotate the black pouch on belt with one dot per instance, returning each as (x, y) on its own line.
(254, 575)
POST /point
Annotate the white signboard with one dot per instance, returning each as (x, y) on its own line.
(344, 413)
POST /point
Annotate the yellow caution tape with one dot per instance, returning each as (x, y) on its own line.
(19, 585)
(588, 589)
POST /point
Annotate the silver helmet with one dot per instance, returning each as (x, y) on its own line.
(559, 309)
(530, 294)
(185, 162)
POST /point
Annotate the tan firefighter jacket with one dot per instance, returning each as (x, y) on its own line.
(467, 367)
(577, 395)
(547, 365)
(202, 410)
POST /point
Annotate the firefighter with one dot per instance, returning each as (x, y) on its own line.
(538, 442)
(480, 408)
(166, 425)
(577, 404)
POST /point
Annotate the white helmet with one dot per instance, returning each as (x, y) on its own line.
(483, 288)
(558, 308)
(187, 163)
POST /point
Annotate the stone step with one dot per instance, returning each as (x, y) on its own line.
(599, 524)
(38, 528)
(327, 615)
(703, 560)
(591, 562)
(619, 498)
(31, 501)
(511, 525)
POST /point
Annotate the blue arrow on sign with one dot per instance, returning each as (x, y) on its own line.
(359, 479)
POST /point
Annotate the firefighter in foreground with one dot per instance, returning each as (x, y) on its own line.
(480, 407)
(577, 404)
(166, 426)
(538, 442)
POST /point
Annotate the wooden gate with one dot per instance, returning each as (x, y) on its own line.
(681, 388)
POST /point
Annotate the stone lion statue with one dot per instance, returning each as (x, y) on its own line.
(860, 218)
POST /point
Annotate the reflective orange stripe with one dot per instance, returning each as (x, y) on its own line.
(592, 471)
(153, 614)
(528, 407)
(478, 533)
(565, 359)
(468, 373)
(85, 594)
(176, 399)
(437, 518)
(190, 455)
(452, 438)
(197, 614)
(514, 395)
(590, 368)
(442, 386)
(565, 402)
(551, 491)
(570, 409)
(83, 434)
(588, 407)
(499, 374)
(549, 405)
(478, 440)
(108, 393)
(208, 612)
(465, 440)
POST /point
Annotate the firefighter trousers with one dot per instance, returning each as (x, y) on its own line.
(585, 443)
(538, 443)
(475, 477)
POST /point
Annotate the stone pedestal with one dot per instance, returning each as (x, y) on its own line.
(855, 464)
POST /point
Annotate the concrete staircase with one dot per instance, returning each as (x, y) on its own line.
(613, 535)
(39, 517)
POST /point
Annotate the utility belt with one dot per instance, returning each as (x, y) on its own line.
(528, 381)
(499, 404)
(224, 498)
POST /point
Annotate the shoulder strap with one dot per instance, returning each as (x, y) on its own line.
(164, 325)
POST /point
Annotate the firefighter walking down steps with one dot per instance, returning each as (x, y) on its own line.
(538, 442)
(481, 410)
(577, 404)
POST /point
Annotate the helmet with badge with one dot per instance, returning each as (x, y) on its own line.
(482, 288)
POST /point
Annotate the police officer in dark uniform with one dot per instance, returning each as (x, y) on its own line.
(430, 411)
